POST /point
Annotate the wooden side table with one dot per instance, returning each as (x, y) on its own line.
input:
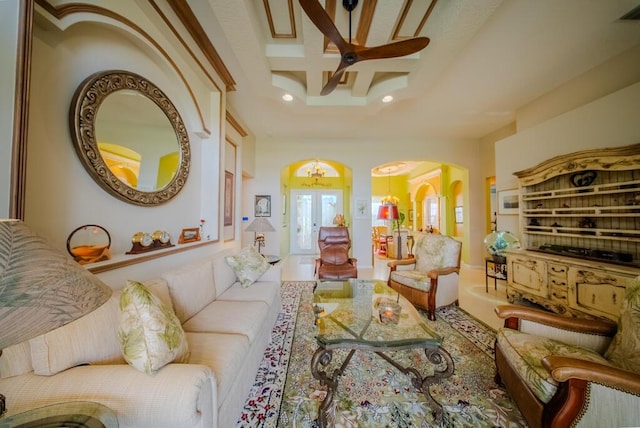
(495, 270)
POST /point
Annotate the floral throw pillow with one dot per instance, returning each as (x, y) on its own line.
(150, 334)
(624, 351)
(248, 265)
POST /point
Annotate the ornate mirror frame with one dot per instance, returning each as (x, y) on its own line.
(82, 116)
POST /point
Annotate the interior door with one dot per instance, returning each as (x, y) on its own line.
(311, 209)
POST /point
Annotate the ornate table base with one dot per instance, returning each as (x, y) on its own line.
(324, 354)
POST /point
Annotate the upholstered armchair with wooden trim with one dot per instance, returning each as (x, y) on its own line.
(334, 262)
(565, 372)
(429, 279)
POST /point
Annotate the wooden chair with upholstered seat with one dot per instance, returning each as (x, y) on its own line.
(564, 371)
(429, 279)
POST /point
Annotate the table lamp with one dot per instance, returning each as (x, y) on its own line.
(258, 227)
(41, 288)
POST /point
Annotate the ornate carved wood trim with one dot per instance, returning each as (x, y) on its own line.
(189, 20)
(236, 125)
(613, 159)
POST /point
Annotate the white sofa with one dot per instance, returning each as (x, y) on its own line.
(227, 326)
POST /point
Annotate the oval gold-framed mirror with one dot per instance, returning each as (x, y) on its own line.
(130, 137)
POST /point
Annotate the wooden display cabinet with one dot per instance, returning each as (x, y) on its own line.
(580, 226)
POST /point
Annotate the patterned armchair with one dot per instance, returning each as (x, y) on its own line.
(429, 279)
(564, 371)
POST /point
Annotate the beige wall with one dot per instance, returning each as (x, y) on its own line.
(361, 157)
(60, 193)
(610, 121)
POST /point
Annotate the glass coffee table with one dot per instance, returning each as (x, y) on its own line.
(73, 414)
(367, 315)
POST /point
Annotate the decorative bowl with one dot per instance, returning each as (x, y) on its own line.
(499, 242)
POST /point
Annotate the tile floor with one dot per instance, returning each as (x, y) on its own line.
(472, 295)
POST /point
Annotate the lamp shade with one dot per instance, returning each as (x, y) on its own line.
(388, 212)
(40, 288)
(260, 225)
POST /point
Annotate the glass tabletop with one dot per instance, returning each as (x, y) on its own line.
(368, 313)
(75, 414)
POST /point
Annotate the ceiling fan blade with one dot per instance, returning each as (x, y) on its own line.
(394, 50)
(335, 79)
(319, 17)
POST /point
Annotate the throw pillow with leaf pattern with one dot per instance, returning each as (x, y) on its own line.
(624, 351)
(248, 265)
(151, 335)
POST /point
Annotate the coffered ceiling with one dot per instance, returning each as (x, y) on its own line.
(486, 59)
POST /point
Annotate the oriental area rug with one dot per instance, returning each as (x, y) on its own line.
(371, 392)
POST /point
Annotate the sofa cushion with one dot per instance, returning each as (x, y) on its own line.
(412, 278)
(266, 292)
(191, 288)
(92, 339)
(15, 360)
(223, 276)
(228, 316)
(224, 354)
(526, 351)
(248, 265)
(624, 350)
(150, 334)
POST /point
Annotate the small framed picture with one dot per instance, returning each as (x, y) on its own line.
(189, 235)
(263, 206)
(363, 208)
(459, 216)
(508, 202)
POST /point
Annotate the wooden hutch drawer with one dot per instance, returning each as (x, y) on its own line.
(558, 294)
(557, 269)
(528, 275)
(597, 292)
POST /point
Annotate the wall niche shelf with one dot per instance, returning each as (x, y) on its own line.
(123, 260)
(580, 230)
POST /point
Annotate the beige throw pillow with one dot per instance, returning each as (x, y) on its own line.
(248, 265)
(150, 334)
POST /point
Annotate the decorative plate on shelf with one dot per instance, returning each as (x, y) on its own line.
(582, 179)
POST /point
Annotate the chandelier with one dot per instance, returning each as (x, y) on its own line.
(389, 199)
(316, 172)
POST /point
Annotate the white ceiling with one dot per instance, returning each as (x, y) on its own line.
(486, 59)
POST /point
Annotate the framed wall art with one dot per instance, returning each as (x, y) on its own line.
(189, 235)
(508, 202)
(263, 206)
(363, 208)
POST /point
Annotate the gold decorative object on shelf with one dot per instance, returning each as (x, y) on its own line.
(142, 242)
(89, 244)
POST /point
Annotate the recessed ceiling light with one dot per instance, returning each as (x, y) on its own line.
(287, 97)
(387, 98)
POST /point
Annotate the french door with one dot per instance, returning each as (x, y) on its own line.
(311, 209)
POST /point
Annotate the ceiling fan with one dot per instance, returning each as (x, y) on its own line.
(350, 53)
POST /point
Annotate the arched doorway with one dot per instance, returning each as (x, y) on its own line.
(316, 190)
